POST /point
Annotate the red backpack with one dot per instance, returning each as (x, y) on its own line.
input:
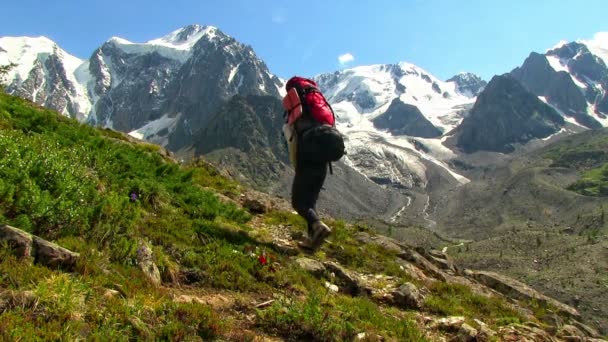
(322, 143)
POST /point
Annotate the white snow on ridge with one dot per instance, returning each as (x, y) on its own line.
(24, 51)
(173, 46)
(174, 41)
(557, 65)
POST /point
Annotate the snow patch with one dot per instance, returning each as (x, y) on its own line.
(149, 131)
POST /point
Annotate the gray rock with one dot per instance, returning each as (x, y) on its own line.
(449, 324)
(52, 255)
(467, 333)
(407, 296)
(485, 334)
(422, 263)
(145, 260)
(352, 284)
(311, 266)
(570, 330)
(517, 290)
(589, 331)
(16, 239)
(387, 243)
(43, 252)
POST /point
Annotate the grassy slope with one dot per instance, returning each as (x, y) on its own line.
(72, 184)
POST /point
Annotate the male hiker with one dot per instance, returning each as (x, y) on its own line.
(313, 143)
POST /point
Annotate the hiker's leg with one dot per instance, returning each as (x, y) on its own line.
(307, 185)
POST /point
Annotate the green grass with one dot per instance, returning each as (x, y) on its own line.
(325, 317)
(590, 157)
(73, 184)
(458, 300)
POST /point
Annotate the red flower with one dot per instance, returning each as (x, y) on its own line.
(262, 259)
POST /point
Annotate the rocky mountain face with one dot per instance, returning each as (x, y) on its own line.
(405, 119)
(245, 137)
(505, 114)
(175, 82)
(571, 79)
(45, 74)
(468, 84)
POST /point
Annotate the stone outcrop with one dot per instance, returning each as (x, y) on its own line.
(517, 290)
(43, 252)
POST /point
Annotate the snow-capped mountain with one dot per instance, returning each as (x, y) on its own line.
(45, 74)
(162, 90)
(468, 84)
(573, 78)
(398, 118)
(394, 117)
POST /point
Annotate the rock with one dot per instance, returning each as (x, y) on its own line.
(421, 262)
(485, 333)
(256, 206)
(467, 333)
(52, 255)
(18, 240)
(43, 252)
(414, 271)
(352, 283)
(385, 242)
(407, 296)
(570, 330)
(256, 202)
(311, 266)
(332, 287)
(517, 290)
(109, 293)
(145, 260)
(589, 331)
(449, 324)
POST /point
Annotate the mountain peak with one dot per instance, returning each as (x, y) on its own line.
(468, 84)
(185, 37)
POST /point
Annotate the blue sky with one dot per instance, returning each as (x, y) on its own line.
(307, 37)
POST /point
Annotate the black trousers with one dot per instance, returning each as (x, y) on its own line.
(305, 190)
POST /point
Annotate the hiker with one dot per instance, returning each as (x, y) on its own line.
(313, 144)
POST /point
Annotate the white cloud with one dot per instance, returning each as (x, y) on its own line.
(345, 58)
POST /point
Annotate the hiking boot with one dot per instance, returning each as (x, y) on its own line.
(306, 244)
(320, 232)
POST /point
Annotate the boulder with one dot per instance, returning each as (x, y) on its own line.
(18, 240)
(570, 331)
(145, 260)
(26, 245)
(467, 333)
(407, 296)
(352, 284)
(311, 266)
(385, 242)
(448, 324)
(422, 263)
(52, 255)
(517, 290)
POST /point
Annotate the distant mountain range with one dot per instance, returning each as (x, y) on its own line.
(198, 91)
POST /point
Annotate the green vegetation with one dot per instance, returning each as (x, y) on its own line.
(101, 194)
(323, 317)
(459, 300)
(589, 157)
